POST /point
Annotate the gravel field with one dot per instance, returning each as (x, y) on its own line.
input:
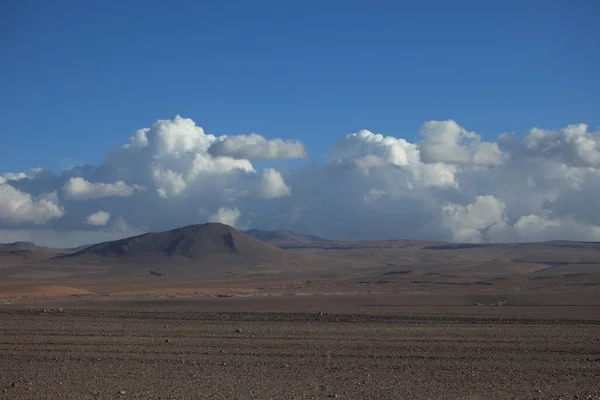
(151, 354)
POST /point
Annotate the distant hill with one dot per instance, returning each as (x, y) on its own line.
(215, 258)
(283, 238)
(192, 242)
(19, 245)
(17, 253)
(18, 256)
(211, 247)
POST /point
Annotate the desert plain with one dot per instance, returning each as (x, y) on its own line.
(209, 312)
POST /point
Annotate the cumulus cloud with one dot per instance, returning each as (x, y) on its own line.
(256, 147)
(537, 228)
(20, 207)
(447, 142)
(170, 183)
(450, 184)
(227, 216)
(99, 218)
(470, 223)
(80, 189)
(173, 158)
(272, 185)
(172, 137)
(204, 164)
(366, 150)
(379, 149)
(573, 145)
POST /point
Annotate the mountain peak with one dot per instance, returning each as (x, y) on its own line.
(192, 241)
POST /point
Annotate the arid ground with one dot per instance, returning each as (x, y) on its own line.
(208, 312)
(186, 349)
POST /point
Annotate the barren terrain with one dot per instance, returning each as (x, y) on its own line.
(209, 312)
(184, 351)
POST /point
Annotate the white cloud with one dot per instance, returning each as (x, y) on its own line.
(366, 150)
(99, 218)
(272, 185)
(256, 147)
(380, 150)
(227, 216)
(573, 145)
(173, 158)
(169, 183)
(172, 137)
(538, 228)
(205, 164)
(469, 223)
(29, 174)
(20, 207)
(80, 189)
(447, 142)
(451, 184)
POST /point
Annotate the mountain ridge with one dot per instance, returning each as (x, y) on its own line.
(21, 245)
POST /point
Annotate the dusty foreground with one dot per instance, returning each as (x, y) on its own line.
(167, 351)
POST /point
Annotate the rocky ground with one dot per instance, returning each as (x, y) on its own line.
(72, 353)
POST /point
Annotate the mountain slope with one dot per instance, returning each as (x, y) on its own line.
(18, 256)
(190, 250)
(192, 242)
(283, 238)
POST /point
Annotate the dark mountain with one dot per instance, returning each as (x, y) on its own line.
(211, 247)
(283, 238)
(19, 245)
(78, 248)
(192, 242)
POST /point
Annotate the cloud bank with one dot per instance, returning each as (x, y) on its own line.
(449, 185)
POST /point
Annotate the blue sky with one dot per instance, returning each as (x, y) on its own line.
(77, 78)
